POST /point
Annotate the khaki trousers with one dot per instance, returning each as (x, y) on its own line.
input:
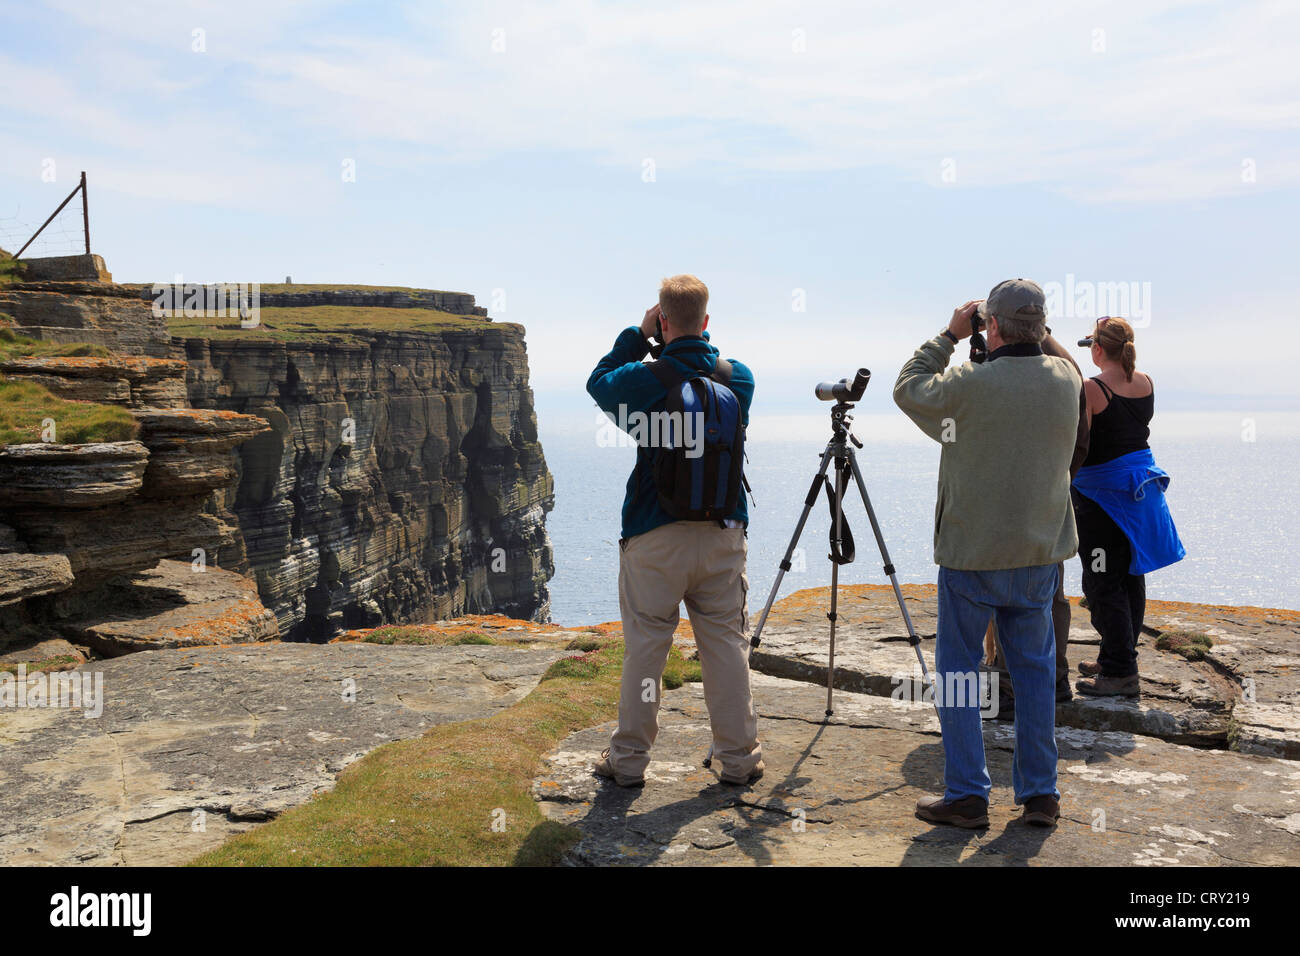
(704, 565)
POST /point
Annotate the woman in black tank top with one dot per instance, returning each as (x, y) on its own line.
(1122, 426)
(1118, 425)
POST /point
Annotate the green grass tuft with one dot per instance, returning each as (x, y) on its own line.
(11, 271)
(680, 671)
(24, 407)
(422, 634)
(474, 638)
(14, 344)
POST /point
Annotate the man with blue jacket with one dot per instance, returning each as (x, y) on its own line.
(664, 561)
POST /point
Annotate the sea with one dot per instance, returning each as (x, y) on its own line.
(1233, 495)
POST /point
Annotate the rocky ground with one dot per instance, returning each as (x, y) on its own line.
(1145, 783)
(195, 744)
(199, 742)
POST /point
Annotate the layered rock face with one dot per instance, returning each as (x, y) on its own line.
(401, 480)
(81, 525)
(136, 382)
(99, 313)
(77, 517)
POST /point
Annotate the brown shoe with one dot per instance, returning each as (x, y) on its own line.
(969, 813)
(754, 775)
(1042, 811)
(1089, 668)
(604, 768)
(1102, 686)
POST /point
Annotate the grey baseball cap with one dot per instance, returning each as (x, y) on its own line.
(1014, 297)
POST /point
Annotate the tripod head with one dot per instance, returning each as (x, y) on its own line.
(845, 394)
(840, 424)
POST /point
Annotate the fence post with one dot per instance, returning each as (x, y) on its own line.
(85, 210)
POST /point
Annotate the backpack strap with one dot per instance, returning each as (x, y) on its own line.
(666, 372)
(669, 376)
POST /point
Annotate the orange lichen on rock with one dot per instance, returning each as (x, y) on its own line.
(217, 629)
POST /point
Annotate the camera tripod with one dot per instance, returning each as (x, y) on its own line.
(846, 463)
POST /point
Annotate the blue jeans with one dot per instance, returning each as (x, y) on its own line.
(1021, 601)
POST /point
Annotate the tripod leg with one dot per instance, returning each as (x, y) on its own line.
(835, 583)
(889, 570)
(808, 503)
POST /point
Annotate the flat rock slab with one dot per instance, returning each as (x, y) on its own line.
(238, 733)
(173, 605)
(844, 792)
(1256, 653)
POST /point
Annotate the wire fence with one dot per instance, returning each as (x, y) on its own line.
(62, 237)
(66, 232)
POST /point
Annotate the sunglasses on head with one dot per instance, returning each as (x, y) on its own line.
(1086, 342)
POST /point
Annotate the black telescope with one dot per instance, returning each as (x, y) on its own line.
(842, 391)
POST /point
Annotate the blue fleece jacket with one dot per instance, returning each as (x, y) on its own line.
(1131, 489)
(622, 379)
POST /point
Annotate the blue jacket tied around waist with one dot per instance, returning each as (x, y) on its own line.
(622, 382)
(1131, 489)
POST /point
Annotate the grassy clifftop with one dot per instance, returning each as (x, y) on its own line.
(321, 323)
(321, 312)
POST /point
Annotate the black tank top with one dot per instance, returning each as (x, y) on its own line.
(1121, 427)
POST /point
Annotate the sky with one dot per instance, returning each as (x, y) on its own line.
(842, 175)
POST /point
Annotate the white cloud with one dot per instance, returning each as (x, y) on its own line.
(1012, 92)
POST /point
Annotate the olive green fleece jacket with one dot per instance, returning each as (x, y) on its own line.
(1007, 428)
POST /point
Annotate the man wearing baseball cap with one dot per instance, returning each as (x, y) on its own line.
(1007, 428)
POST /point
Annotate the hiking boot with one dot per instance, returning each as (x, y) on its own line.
(969, 813)
(1042, 811)
(754, 775)
(1103, 686)
(604, 768)
(1063, 693)
(1089, 668)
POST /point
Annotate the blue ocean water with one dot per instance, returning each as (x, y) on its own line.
(1232, 497)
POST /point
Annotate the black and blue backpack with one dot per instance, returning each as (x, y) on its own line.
(706, 487)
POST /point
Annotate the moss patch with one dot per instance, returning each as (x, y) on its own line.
(60, 662)
(1190, 644)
